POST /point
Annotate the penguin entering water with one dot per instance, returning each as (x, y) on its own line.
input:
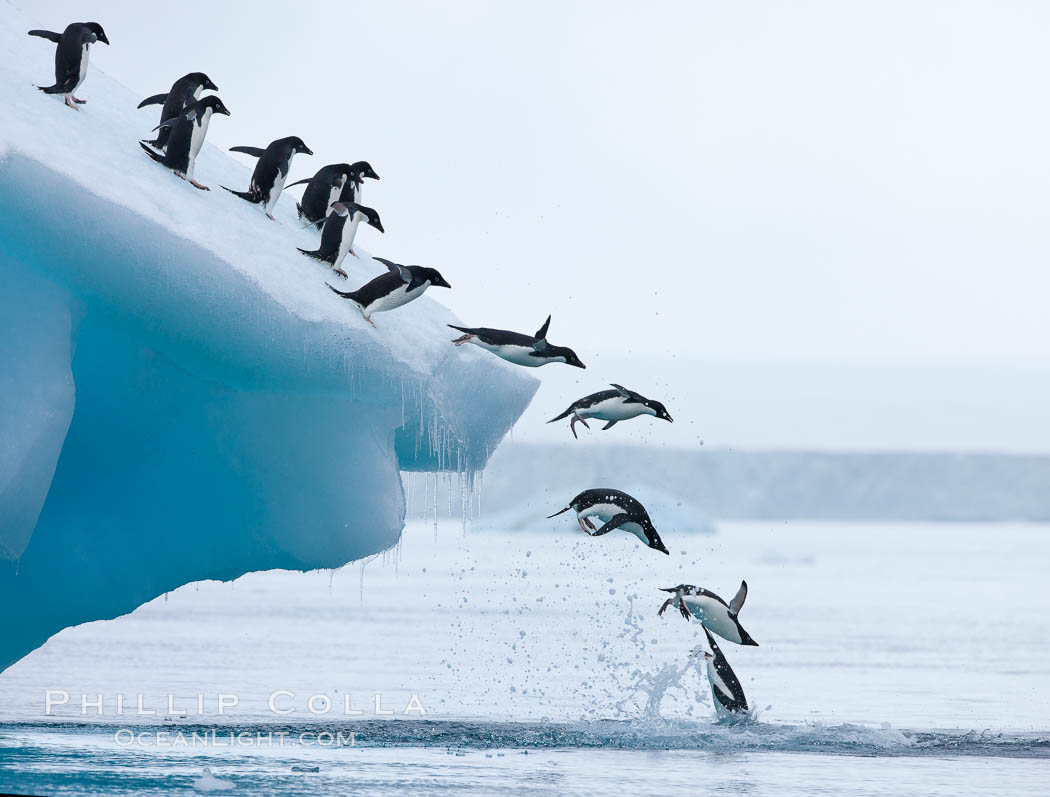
(399, 286)
(271, 171)
(528, 350)
(726, 691)
(616, 510)
(613, 406)
(712, 612)
(184, 92)
(332, 183)
(337, 237)
(188, 130)
(71, 57)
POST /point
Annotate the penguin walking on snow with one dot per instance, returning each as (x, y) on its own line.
(188, 130)
(271, 171)
(333, 183)
(613, 406)
(726, 691)
(528, 350)
(616, 510)
(71, 57)
(399, 286)
(184, 92)
(340, 229)
(713, 613)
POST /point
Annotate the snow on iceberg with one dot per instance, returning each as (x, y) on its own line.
(181, 397)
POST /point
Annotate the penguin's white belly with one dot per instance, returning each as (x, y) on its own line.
(197, 135)
(349, 231)
(83, 66)
(712, 615)
(718, 685)
(278, 187)
(614, 409)
(519, 355)
(604, 512)
(333, 196)
(396, 298)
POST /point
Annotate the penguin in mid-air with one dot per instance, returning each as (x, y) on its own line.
(514, 347)
(333, 183)
(713, 613)
(188, 130)
(613, 406)
(184, 91)
(340, 229)
(616, 510)
(71, 57)
(271, 171)
(400, 285)
(726, 691)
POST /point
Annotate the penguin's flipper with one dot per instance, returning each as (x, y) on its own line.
(157, 156)
(396, 268)
(540, 345)
(609, 425)
(613, 524)
(663, 608)
(255, 152)
(737, 603)
(190, 114)
(299, 182)
(541, 334)
(629, 395)
(47, 34)
(156, 99)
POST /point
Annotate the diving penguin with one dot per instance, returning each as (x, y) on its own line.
(613, 406)
(713, 613)
(271, 171)
(184, 91)
(71, 57)
(617, 510)
(340, 229)
(399, 286)
(188, 130)
(528, 350)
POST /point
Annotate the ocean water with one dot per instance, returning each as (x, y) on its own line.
(893, 659)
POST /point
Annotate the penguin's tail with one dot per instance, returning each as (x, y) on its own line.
(248, 196)
(459, 329)
(565, 414)
(351, 295)
(157, 156)
(566, 509)
(55, 89)
(315, 254)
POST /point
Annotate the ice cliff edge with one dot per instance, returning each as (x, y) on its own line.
(181, 398)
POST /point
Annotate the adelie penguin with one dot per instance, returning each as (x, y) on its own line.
(337, 182)
(188, 130)
(340, 229)
(713, 613)
(616, 510)
(271, 171)
(726, 691)
(528, 350)
(71, 57)
(184, 92)
(399, 286)
(613, 406)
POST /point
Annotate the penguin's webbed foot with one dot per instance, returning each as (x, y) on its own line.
(355, 254)
(572, 424)
(340, 272)
(71, 104)
(78, 101)
(270, 217)
(590, 525)
(463, 339)
(684, 610)
(581, 520)
(664, 607)
(202, 187)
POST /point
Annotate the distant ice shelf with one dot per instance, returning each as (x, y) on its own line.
(181, 398)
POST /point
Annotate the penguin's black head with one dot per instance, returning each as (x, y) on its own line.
(299, 146)
(656, 543)
(660, 410)
(363, 169)
(371, 217)
(203, 81)
(213, 102)
(95, 28)
(566, 352)
(435, 277)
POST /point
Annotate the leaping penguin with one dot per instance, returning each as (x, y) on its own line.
(340, 229)
(613, 406)
(184, 91)
(712, 612)
(528, 350)
(616, 510)
(400, 285)
(726, 691)
(271, 171)
(188, 130)
(71, 57)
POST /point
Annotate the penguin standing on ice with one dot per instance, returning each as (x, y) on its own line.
(352, 189)
(188, 130)
(340, 229)
(528, 350)
(71, 57)
(726, 691)
(713, 613)
(400, 285)
(613, 406)
(184, 91)
(333, 183)
(616, 510)
(271, 171)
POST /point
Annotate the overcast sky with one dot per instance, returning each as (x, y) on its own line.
(818, 181)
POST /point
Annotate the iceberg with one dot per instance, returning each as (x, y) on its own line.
(181, 397)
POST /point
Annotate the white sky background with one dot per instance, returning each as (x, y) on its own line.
(823, 182)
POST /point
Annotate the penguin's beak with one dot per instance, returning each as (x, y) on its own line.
(377, 224)
(669, 419)
(102, 38)
(307, 151)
